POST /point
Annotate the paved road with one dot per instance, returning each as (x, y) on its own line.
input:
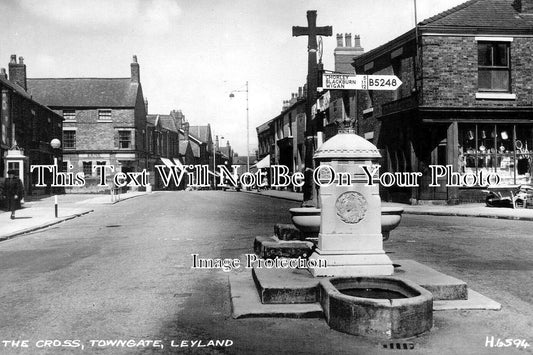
(123, 272)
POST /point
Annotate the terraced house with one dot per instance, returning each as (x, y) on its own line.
(104, 120)
(466, 98)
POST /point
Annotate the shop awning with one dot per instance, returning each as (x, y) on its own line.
(167, 162)
(177, 162)
(263, 163)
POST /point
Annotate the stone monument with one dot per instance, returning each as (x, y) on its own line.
(350, 239)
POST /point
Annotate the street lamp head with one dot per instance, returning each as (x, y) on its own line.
(55, 143)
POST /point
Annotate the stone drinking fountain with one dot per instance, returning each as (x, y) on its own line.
(357, 292)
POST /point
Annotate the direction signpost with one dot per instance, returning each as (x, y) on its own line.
(360, 82)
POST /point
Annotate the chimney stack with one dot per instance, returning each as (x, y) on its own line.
(135, 71)
(17, 71)
(300, 92)
(186, 130)
(178, 118)
(344, 55)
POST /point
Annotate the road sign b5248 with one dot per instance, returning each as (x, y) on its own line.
(360, 82)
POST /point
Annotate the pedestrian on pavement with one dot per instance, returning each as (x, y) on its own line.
(14, 191)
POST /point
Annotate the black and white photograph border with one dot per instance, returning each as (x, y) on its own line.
(258, 177)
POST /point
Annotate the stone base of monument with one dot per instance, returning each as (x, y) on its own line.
(299, 285)
(272, 247)
(295, 286)
(345, 264)
(287, 287)
(288, 232)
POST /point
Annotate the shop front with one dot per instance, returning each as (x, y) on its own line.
(503, 149)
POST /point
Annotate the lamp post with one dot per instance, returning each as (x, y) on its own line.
(231, 95)
(55, 144)
(214, 162)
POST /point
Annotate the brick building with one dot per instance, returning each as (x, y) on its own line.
(466, 98)
(25, 124)
(104, 120)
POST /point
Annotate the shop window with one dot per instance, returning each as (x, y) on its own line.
(502, 149)
(493, 66)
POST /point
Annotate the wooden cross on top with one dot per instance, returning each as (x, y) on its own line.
(311, 30)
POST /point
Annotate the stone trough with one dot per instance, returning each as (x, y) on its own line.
(379, 307)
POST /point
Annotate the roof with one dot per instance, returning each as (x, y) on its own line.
(183, 146)
(225, 150)
(193, 141)
(471, 17)
(499, 14)
(152, 119)
(201, 132)
(84, 92)
(242, 160)
(19, 90)
(167, 122)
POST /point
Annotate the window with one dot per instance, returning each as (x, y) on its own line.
(87, 168)
(69, 115)
(494, 66)
(104, 115)
(504, 149)
(69, 139)
(124, 139)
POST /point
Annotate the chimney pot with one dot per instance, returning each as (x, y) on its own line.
(339, 40)
(348, 37)
(357, 41)
(13, 59)
(21, 60)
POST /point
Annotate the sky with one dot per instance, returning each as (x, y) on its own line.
(194, 53)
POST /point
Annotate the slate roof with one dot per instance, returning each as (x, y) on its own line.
(226, 151)
(193, 141)
(183, 146)
(201, 132)
(167, 122)
(84, 92)
(151, 119)
(19, 90)
(496, 17)
(482, 14)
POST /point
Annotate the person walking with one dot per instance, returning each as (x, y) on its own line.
(14, 191)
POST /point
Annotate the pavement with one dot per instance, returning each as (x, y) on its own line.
(39, 211)
(461, 210)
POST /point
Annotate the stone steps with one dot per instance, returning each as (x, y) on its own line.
(277, 286)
